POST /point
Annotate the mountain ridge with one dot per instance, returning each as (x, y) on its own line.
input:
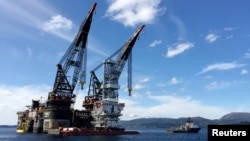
(230, 118)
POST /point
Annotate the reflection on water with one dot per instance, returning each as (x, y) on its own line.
(158, 134)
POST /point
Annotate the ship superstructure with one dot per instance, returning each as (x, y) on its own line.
(102, 98)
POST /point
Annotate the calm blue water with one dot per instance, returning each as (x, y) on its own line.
(159, 134)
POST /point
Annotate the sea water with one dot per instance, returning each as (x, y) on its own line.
(152, 134)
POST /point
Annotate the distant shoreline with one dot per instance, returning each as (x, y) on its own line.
(7, 125)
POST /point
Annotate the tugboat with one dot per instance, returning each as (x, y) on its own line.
(189, 127)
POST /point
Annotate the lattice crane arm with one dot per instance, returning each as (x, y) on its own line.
(114, 68)
(103, 96)
(126, 56)
(125, 51)
(74, 59)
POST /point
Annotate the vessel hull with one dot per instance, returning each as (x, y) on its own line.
(193, 130)
(77, 131)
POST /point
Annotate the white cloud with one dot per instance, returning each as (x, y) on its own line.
(29, 51)
(155, 43)
(171, 107)
(59, 26)
(244, 71)
(208, 77)
(25, 11)
(211, 37)
(16, 98)
(180, 26)
(230, 28)
(222, 85)
(144, 80)
(33, 14)
(215, 85)
(57, 23)
(131, 13)
(174, 81)
(222, 66)
(148, 93)
(229, 36)
(139, 86)
(161, 84)
(247, 54)
(136, 95)
(141, 83)
(178, 49)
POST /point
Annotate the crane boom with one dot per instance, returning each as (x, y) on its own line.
(102, 99)
(123, 55)
(73, 58)
(72, 65)
(125, 51)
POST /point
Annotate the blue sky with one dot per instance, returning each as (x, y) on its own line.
(192, 58)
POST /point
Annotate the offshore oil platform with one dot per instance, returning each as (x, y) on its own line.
(101, 108)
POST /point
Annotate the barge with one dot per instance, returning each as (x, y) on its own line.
(73, 131)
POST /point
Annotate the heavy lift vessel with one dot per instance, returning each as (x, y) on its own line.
(57, 111)
(101, 111)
